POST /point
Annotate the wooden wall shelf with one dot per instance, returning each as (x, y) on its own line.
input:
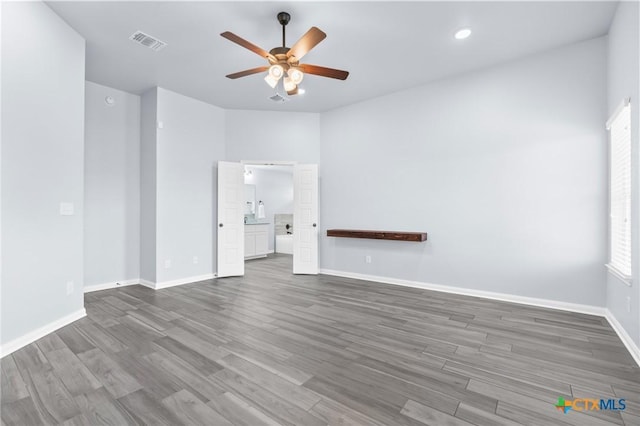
(378, 235)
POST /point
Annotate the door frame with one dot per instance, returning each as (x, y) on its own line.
(268, 163)
(273, 163)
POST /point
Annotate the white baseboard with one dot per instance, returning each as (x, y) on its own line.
(114, 284)
(148, 283)
(181, 281)
(260, 256)
(532, 301)
(36, 334)
(631, 346)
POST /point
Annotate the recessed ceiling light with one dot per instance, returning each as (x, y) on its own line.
(462, 34)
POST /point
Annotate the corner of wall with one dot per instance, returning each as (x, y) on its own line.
(623, 66)
(148, 183)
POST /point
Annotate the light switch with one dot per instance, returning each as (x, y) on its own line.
(160, 125)
(66, 209)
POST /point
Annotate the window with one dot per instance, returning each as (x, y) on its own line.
(619, 126)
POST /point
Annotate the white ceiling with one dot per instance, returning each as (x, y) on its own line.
(386, 46)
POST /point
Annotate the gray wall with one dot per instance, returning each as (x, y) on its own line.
(189, 146)
(148, 190)
(112, 186)
(42, 165)
(273, 136)
(623, 74)
(275, 189)
(504, 168)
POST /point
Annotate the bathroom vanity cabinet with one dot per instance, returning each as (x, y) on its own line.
(256, 240)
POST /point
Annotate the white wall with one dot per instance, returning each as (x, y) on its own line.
(504, 168)
(148, 190)
(112, 186)
(189, 146)
(275, 188)
(273, 136)
(42, 165)
(623, 72)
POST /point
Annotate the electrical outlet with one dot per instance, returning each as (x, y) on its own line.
(69, 287)
(628, 304)
(195, 260)
(367, 259)
(167, 263)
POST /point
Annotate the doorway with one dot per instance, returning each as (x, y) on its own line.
(261, 204)
(268, 201)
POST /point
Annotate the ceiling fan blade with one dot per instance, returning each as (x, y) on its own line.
(247, 72)
(307, 42)
(248, 45)
(324, 72)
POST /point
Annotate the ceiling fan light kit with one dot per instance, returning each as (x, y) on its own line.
(285, 72)
(295, 75)
(276, 71)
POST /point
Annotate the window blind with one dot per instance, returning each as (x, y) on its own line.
(619, 127)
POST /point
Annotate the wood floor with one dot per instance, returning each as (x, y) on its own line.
(273, 348)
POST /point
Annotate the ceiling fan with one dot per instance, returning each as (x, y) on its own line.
(284, 67)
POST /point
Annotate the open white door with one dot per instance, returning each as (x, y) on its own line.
(230, 219)
(305, 219)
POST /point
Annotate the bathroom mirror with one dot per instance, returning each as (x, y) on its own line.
(249, 199)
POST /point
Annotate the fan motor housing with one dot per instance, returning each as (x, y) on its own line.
(279, 51)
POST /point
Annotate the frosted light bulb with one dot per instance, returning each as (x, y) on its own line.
(296, 75)
(289, 85)
(276, 71)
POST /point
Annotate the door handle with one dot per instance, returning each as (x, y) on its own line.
(314, 225)
(220, 225)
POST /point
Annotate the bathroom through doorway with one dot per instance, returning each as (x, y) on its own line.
(275, 207)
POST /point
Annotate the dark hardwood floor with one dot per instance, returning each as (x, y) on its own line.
(273, 348)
